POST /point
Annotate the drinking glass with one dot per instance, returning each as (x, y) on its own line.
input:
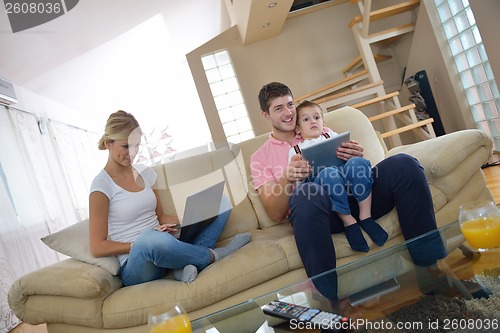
(173, 320)
(480, 224)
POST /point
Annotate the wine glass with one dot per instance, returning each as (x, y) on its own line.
(171, 320)
(480, 224)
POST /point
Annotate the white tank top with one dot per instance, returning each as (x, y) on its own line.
(130, 213)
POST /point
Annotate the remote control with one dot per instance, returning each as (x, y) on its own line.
(291, 311)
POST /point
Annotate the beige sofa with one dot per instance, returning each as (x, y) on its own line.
(73, 296)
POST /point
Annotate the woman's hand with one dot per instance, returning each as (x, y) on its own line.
(170, 227)
(350, 149)
(168, 223)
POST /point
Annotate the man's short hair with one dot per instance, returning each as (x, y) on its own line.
(271, 91)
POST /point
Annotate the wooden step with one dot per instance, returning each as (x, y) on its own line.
(375, 100)
(422, 133)
(332, 87)
(392, 112)
(410, 120)
(407, 128)
(348, 92)
(391, 34)
(358, 62)
(350, 95)
(387, 12)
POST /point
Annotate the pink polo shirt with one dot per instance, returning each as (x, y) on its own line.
(269, 162)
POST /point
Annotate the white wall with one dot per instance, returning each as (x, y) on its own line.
(35, 103)
(312, 50)
(486, 13)
(309, 53)
(429, 52)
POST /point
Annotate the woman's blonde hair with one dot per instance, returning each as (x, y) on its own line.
(118, 127)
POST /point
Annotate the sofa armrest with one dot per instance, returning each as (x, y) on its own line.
(450, 160)
(60, 279)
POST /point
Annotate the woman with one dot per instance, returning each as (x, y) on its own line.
(127, 219)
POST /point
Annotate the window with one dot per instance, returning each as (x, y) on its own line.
(227, 96)
(472, 64)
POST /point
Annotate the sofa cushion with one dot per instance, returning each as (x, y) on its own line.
(439, 200)
(68, 291)
(460, 155)
(73, 242)
(474, 189)
(284, 235)
(247, 148)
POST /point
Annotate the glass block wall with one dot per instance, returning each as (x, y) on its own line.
(472, 63)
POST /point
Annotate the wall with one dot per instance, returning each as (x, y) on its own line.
(312, 50)
(306, 56)
(132, 57)
(429, 51)
(32, 102)
(486, 14)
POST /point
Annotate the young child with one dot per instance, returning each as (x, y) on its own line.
(354, 178)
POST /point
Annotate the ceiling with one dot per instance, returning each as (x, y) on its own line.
(258, 19)
(91, 23)
(65, 60)
(262, 19)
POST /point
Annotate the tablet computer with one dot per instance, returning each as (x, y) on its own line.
(324, 153)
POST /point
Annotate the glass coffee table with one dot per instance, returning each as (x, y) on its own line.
(370, 289)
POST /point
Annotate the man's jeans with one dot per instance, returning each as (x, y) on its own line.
(399, 181)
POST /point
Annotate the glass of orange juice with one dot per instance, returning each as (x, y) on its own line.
(171, 319)
(480, 224)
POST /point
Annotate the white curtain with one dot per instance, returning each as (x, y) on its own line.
(44, 182)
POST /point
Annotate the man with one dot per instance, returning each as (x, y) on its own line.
(399, 182)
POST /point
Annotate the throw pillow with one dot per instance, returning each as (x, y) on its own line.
(73, 241)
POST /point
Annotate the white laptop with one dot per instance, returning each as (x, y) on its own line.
(324, 153)
(201, 209)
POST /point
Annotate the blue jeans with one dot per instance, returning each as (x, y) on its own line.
(154, 252)
(399, 181)
(355, 178)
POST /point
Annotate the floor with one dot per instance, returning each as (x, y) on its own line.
(492, 175)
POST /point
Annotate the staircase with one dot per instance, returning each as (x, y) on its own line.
(425, 130)
(363, 86)
(392, 114)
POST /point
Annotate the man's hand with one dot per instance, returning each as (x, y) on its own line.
(298, 169)
(350, 149)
